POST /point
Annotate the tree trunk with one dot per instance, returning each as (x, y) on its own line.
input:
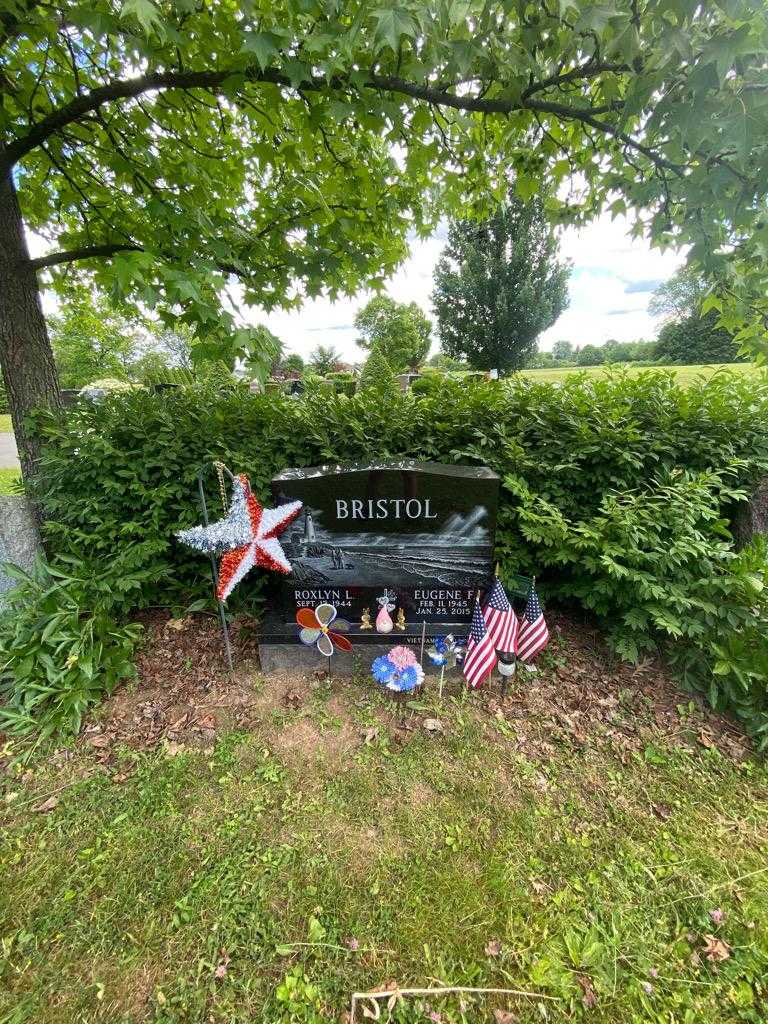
(29, 371)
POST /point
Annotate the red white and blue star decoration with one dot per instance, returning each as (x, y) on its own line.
(246, 537)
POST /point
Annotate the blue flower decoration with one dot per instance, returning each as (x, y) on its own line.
(383, 669)
(408, 678)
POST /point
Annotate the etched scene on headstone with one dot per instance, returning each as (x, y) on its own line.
(452, 554)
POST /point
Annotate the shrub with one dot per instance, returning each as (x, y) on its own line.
(617, 490)
(377, 374)
(61, 647)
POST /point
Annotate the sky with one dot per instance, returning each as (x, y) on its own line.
(611, 283)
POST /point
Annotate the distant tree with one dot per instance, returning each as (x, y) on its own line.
(590, 355)
(679, 297)
(687, 336)
(498, 285)
(541, 361)
(696, 339)
(377, 374)
(170, 349)
(444, 362)
(562, 351)
(400, 331)
(323, 359)
(293, 363)
(92, 341)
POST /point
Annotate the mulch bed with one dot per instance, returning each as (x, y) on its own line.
(184, 696)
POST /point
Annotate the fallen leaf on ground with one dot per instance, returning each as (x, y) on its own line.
(716, 950)
(504, 1017)
(47, 805)
(370, 734)
(662, 811)
(177, 624)
(589, 998)
(100, 741)
(493, 948)
(207, 722)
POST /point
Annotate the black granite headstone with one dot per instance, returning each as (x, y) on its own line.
(420, 531)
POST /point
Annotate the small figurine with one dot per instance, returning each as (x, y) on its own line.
(384, 622)
(400, 622)
(365, 619)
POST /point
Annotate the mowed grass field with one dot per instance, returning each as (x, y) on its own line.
(684, 374)
(5, 424)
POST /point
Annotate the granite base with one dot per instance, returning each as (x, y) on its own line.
(296, 657)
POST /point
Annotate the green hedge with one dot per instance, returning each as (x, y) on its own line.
(617, 491)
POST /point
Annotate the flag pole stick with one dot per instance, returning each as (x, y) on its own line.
(423, 637)
(440, 684)
(215, 575)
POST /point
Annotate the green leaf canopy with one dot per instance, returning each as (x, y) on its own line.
(168, 148)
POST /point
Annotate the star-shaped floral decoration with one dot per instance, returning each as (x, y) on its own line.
(246, 537)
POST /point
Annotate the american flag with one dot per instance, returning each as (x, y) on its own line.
(534, 635)
(480, 658)
(500, 619)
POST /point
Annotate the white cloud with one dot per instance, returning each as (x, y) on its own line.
(606, 263)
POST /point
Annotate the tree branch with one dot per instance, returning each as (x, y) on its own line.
(212, 80)
(85, 253)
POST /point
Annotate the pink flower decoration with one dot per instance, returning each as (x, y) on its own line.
(401, 657)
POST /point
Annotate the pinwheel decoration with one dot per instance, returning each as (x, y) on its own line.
(315, 629)
(445, 652)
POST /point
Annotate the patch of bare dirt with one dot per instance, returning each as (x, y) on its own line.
(183, 693)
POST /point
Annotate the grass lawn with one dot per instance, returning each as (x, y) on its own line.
(684, 374)
(5, 424)
(597, 840)
(9, 480)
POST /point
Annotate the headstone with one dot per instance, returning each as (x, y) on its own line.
(19, 537)
(419, 536)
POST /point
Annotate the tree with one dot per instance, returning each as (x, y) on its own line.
(91, 341)
(167, 149)
(679, 297)
(689, 334)
(377, 374)
(293, 363)
(443, 362)
(498, 285)
(590, 355)
(562, 351)
(324, 359)
(695, 339)
(400, 332)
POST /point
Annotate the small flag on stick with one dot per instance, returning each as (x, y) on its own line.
(480, 659)
(500, 619)
(533, 636)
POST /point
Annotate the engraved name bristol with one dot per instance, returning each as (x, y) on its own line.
(384, 508)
